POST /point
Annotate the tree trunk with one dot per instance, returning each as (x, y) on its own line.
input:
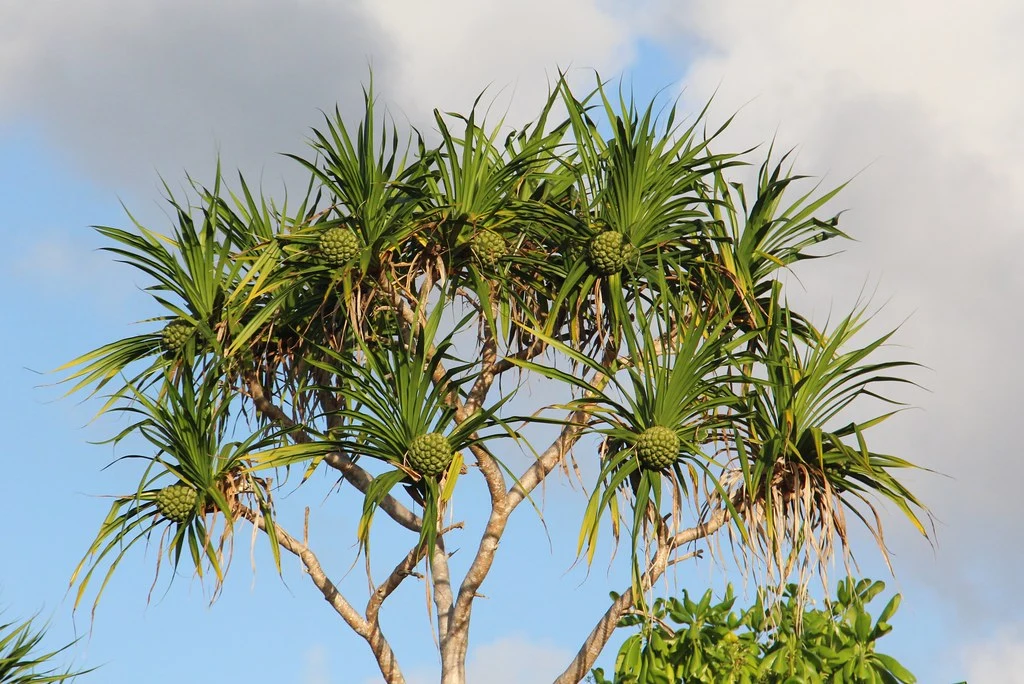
(453, 658)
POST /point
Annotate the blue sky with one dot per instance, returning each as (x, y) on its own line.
(98, 99)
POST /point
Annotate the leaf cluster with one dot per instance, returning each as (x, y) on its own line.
(686, 640)
(21, 661)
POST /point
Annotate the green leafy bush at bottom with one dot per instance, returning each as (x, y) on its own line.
(787, 642)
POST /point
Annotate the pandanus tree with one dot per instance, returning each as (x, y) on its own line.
(380, 328)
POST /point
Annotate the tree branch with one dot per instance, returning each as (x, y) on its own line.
(360, 479)
(506, 364)
(570, 434)
(500, 512)
(268, 408)
(356, 476)
(477, 394)
(369, 630)
(549, 459)
(388, 586)
(602, 632)
(441, 578)
(474, 402)
(453, 651)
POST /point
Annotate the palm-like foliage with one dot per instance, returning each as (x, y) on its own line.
(374, 320)
(199, 281)
(798, 468)
(753, 238)
(645, 182)
(20, 659)
(396, 394)
(672, 378)
(365, 179)
(187, 427)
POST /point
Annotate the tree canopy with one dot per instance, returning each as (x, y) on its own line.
(381, 326)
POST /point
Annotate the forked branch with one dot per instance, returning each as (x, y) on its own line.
(454, 644)
(366, 628)
(358, 477)
(605, 627)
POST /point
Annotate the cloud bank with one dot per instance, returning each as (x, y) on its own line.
(131, 89)
(917, 102)
(998, 659)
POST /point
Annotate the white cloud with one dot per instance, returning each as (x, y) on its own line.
(315, 669)
(997, 659)
(445, 58)
(921, 102)
(131, 89)
(508, 660)
(52, 264)
(515, 659)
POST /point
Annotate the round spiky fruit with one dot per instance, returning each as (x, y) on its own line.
(176, 503)
(176, 334)
(657, 447)
(430, 454)
(609, 252)
(338, 246)
(489, 247)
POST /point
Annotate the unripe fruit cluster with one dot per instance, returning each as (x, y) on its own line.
(430, 454)
(657, 447)
(175, 335)
(338, 246)
(609, 252)
(489, 247)
(176, 503)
